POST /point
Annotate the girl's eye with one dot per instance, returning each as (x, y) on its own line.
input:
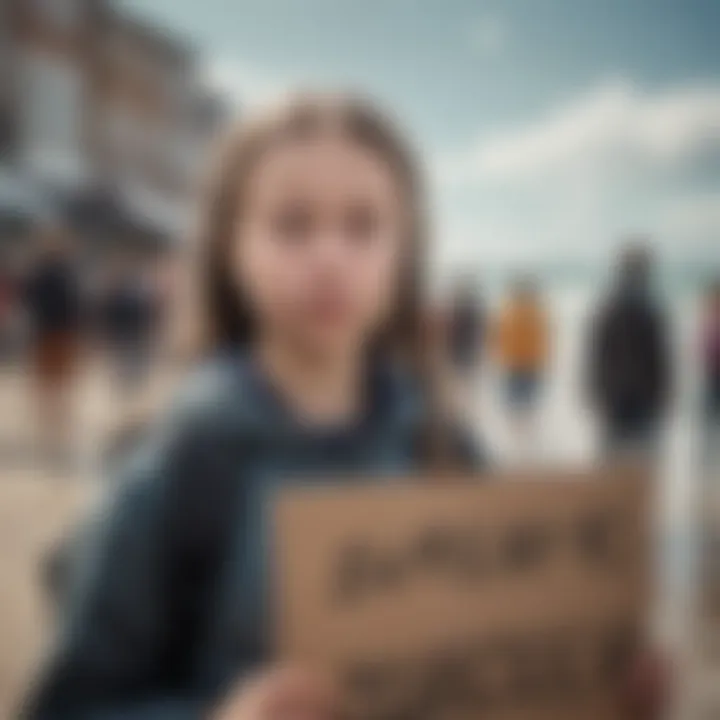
(294, 223)
(361, 223)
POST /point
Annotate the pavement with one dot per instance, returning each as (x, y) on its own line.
(39, 502)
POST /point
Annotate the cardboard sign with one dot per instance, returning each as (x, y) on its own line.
(498, 600)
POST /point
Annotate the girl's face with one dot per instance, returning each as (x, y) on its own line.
(320, 244)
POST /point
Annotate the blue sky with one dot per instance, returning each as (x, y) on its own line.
(549, 127)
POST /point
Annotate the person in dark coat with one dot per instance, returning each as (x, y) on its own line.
(465, 331)
(127, 318)
(629, 365)
(8, 297)
(53, 299)
(463, 340)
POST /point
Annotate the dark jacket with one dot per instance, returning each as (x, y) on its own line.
(629, 365)
(127, 313)
(131, 647)
(53, 297)
(465, 333)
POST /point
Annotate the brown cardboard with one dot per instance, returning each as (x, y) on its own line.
(473, 600)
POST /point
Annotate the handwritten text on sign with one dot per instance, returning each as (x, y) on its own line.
(494, 600)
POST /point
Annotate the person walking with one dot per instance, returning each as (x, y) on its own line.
(127, 319)
(464, 340)
(8, 298)
(522, 349)
(710, 353)
(710, 376)
(629, 359)
(53, 301)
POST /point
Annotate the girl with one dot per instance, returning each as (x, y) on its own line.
(310, 270)
(309, 292)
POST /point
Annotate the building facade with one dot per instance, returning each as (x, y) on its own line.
(98, 114)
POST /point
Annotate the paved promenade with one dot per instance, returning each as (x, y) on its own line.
(38, 504)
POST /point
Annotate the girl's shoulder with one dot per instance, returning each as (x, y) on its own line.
(218, 389)
(209, 401)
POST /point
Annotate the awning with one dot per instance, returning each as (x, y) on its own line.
(104, 217)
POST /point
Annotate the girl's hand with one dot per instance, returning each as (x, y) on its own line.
(648, 689)
(282, 694)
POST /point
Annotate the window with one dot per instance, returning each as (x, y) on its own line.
(51, 115)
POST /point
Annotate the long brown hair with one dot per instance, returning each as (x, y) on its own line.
(223, 316)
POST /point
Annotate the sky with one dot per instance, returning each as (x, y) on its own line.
(550, 129)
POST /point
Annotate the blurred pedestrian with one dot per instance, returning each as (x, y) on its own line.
(8, 309)
(466, 325)
(53, 298)
(710, 379)
(710, 339)
(522, 346)
(127, 311)
(464, 337)
(629, 363)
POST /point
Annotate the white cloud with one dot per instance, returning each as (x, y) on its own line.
(614, 160)
(613, 129)
(488, 35)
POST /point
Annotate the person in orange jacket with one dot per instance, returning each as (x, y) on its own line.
(522, 348)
